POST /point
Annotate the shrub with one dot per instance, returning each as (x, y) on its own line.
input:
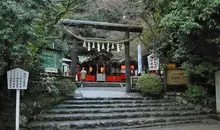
(65, 86)
(196, 94)
(41, 86)
(149, 84)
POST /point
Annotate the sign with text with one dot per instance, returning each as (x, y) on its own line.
(17, 79)
(171, 65)
(51, 60)
(153, 62)
(176, 77)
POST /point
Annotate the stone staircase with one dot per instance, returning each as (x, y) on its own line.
(115, 114)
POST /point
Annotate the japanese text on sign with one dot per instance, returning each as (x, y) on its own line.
(17, 79)
(176, 77)
(153, 62)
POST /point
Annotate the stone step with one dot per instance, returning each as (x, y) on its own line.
(149, 126)
(113, 101)
(95, 116)
(71, 96)
(101, 84)
(109, 110)
(40, 125)
(124, 105)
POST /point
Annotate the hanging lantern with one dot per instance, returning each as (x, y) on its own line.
(98, 45)
(108, 47)
(93, 45)
(103, 46)
(90, 69)
(102, 69)
(84, 44)
(113, 46)
(118, 47)
(122, 46)
(89, 48)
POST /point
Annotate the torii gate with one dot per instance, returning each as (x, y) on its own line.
(106, 26)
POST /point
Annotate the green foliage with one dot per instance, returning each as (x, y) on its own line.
(186, 32)
(196, 94)
(42, 85)
(149, 84)
(65, 86)
(26, 27)
(53, 90)
(47, 85)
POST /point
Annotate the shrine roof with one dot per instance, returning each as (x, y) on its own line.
(94, 57)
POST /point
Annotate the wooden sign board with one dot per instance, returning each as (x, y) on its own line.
(176, 77)
(51, 60)
(171, 65)
(17, 79)
(153, 62)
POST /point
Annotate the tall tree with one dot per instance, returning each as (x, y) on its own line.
(188, 33)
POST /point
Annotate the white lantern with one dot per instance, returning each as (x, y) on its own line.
(113, 46)
(93, 45)
(108, 47)
(122, 46)
(103, 46)
(89, 48)
(84, 44)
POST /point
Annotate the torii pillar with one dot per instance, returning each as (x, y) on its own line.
(127, 63)
(73, 59)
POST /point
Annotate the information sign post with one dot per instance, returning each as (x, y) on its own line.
(18, 80)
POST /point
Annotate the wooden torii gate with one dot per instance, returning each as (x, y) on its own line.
(106, 26)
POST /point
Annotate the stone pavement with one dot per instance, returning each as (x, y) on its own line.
(104, 92)
(209, 124)
(193, 127)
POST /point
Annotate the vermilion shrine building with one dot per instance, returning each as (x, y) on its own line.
(102, 67)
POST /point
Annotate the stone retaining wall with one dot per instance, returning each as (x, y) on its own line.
(30, 108)
(181, 100)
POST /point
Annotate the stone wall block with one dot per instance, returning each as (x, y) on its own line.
(179, 99)
(185, 102)
(190, 104)
(207, 110)
(198, 107)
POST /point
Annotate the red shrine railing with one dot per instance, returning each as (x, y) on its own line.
(111, 78)
(90, 78)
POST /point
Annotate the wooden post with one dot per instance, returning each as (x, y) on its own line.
(165, 79)
(89, 68)
(104, 67)
(217, 90)
(74, 60)
(110, 68)
(97, 68)
(127, 63)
